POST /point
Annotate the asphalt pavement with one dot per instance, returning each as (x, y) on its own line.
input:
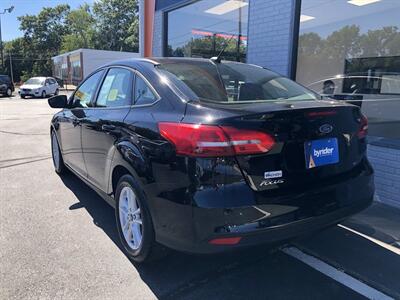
(59, 241)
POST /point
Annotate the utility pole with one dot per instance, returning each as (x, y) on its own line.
(11, 69)
(9, 10)
(239, 35)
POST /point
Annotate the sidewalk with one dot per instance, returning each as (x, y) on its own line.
(379, 221)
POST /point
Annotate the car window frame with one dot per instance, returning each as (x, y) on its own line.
(95, 93)
(158, 98)
(107, 69)
(133, 105)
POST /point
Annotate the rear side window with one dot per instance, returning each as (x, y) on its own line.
(143, 93)
(4, 79)
(116, 89)
(84, 94)
(230, 82)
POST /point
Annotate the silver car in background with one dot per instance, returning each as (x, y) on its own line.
(39, 87)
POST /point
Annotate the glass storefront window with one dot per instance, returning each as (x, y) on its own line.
(350, 50)
(204, 28)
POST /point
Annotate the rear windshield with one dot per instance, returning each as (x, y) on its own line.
(231, 82)
(4, 78)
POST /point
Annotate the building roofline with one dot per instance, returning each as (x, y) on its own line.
(87, 49)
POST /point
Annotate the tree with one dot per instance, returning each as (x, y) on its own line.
(117, 25)
(44, 33)
(381, 42)
(343, 43)
(81, 25)
(21, 60)
(310, 44)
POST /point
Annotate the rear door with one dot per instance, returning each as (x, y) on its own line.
(103, 124)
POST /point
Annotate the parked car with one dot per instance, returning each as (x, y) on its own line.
(39, 87)
(6, 86)
(206, 156)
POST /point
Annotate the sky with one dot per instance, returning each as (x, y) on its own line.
(9, 21)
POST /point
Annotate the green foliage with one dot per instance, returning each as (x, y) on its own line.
(210, 46)
(81, 25)
(107, 25)
(117, 25)
(326, 56)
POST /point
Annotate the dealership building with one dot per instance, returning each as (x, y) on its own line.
(345, 49)
(72, 67)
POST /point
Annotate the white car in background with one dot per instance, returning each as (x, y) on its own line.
(39, 87)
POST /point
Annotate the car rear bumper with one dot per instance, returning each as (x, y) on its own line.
(266, 223)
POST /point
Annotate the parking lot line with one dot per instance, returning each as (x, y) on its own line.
(336, 274)
(378, 242)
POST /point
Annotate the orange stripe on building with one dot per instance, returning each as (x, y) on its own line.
(149, 8)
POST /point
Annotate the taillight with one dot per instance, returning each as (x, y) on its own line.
(225, 241)
(324, 113)
(363, 131)
(211, 141)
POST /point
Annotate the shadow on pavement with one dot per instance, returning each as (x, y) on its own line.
(254, 273)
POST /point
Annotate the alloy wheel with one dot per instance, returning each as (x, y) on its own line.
(9, 92)
(130, 218)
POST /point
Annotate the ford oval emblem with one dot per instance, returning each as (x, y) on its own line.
(326, 128)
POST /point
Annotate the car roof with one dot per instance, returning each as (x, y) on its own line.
(162, 60)
(39, 77)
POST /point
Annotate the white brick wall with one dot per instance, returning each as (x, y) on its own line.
(270, 34)
(386, 163)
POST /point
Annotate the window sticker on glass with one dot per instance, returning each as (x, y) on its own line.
(79, 94)
(112, 95)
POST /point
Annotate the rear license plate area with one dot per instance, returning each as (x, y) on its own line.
(321, 152)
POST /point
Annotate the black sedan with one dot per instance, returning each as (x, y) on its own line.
(205, 156)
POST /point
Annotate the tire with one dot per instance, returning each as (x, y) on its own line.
(56, 92)
(9, 92)
(23, 97)
(43, 94)
(147, 249)
(58, 161)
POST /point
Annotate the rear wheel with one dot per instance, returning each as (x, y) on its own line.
(58, 161)
(43, 94)
(56, 92)
(134, 223)
(23, 96)
(9, 92)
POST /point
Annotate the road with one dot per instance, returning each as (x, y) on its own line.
(59, 241)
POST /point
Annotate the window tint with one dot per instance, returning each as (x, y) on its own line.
(85, 92)
(4, 79)
(116, 89)
(234, 82)
(143, 93)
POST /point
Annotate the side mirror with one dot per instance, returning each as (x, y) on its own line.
(59, 101)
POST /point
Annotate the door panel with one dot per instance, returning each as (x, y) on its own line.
(70, 136)
(103, 125)
(101, 129)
